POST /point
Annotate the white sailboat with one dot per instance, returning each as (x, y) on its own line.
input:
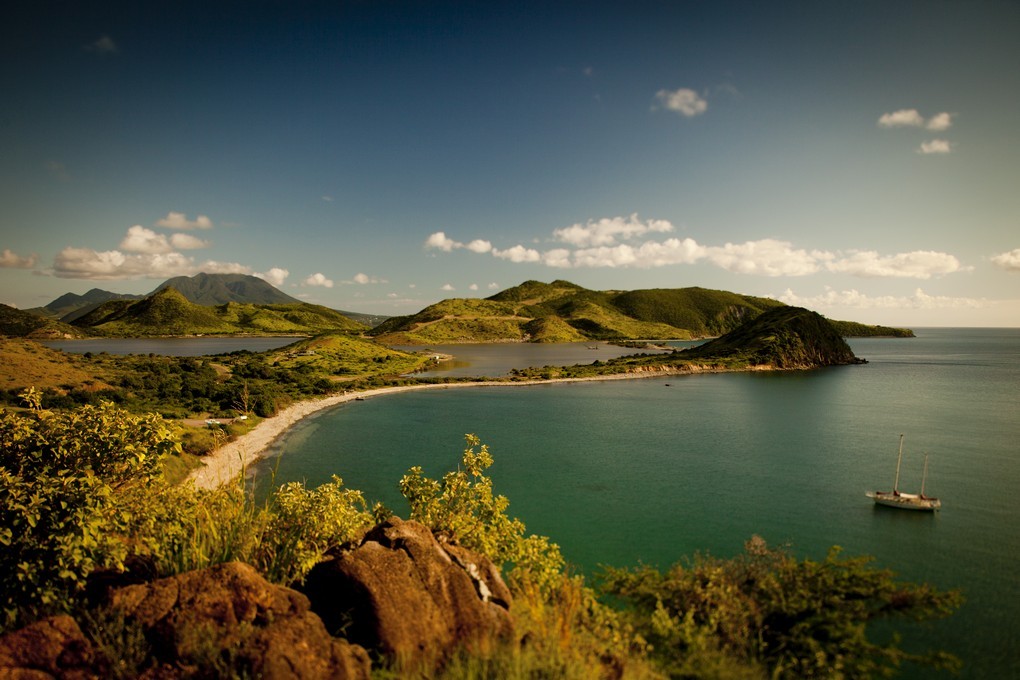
(906, 501)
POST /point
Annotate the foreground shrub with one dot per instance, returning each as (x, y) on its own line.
(72, 487)
(796, 618)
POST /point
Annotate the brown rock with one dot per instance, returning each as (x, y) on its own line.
(410, 597)
(230, 614)
(51, 648)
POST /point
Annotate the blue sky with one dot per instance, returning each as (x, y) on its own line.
(860, 159)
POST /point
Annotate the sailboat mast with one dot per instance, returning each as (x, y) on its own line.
(899, 459)
(924, 475)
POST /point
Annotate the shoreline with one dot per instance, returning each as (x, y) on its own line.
(230, 460)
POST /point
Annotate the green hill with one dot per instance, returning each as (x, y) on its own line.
(564, 312)
(784, 337)
(168, 312)
(17, 323)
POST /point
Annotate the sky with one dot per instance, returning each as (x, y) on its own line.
(861, 159)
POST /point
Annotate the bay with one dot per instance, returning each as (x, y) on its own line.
(172, 347)
(633, 471)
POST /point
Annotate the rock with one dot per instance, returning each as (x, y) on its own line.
(403, 593)
(51, 648)
(230, 614)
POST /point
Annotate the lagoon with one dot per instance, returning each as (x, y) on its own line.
(634, 471)
(172, 347)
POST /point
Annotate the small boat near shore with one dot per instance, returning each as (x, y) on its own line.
(906, 501)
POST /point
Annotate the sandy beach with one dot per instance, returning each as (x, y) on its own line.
(227, 462)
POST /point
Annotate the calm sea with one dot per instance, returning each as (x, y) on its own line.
(653, 470)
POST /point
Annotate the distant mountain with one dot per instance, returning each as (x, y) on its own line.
(70, 306)
(219, 289)
(17, 323)
(169, 312)
(562, 312)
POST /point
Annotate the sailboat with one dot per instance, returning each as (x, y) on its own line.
(907, 501)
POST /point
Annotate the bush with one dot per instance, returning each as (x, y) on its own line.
(72, 485)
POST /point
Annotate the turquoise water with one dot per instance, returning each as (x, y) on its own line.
(626, 471)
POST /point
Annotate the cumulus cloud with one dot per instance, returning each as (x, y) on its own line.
(141, 240)
(176, 220)
(767, 257)
(473, 286)
(1009, 261)
(319, 279)
(919, 264)
(447, 287)
(609, 230)
(440, 241)
(493, 286)
(902, 118)
(940, 121)
(86, 263)
(275, 276)
(518, 253)
(683, 101)
(187, 242)
(855, 299)
(601, 244)
(479, 246)
(12, 260)
(934, 146)
(364, 279)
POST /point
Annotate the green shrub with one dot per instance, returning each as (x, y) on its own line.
(72, 487)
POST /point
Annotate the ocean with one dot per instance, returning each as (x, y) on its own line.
(655, 470)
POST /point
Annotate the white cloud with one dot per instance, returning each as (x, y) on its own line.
(141, 240)
(493, 286)
(364, 279)
(327, 199)
(12, 260)
(919, 264)
(275, 276)
(214, 267)
(518, 254)
(86, 263)
(439, 241)
(319, 279)
(473, 286)
(479, 246)
(447, 287)
(855, 299)
(104, 45)
(940, 121)
(684, 101)
(767, 257)
(934, 146)
(901, 118)
(609, 230)
(647, 255)
(187, 242)
(176, 220)
(1009, 261)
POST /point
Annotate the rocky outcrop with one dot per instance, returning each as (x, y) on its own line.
(225, 617)
(52, 648)
(409, 596)
(401, 593)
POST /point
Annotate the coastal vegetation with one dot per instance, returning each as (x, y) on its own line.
(90, 488)
(82, 495)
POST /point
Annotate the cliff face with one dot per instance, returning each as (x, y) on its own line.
(785, 337)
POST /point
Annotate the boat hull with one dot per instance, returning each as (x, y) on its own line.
(905, 501)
